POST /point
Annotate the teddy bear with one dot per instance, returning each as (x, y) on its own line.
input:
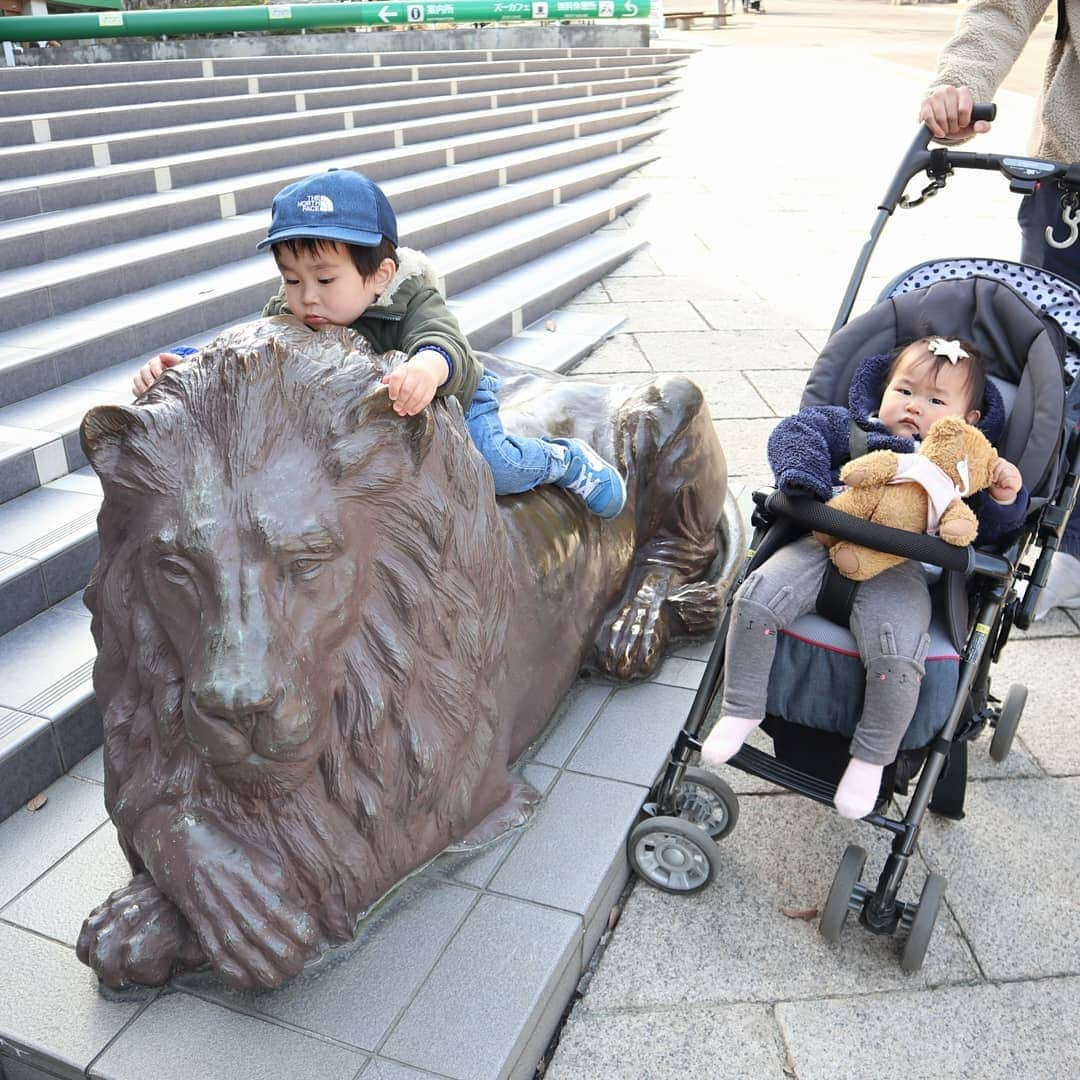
(888, 488)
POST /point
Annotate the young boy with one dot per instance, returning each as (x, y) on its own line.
(334, 238)
(895, 399)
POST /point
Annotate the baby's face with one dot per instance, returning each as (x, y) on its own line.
(917, 395)
(325, 288)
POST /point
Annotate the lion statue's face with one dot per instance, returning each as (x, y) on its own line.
(256, 580)
(277, 544)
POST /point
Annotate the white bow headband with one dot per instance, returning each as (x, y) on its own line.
(953, 350)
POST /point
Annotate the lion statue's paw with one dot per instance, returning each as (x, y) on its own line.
(138, 936)
(662, 604)
(513, 812)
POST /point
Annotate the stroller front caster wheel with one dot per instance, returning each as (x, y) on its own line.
(845, 886)
(922, 926)
(707, 802)
(672, 854)
(1005, 729)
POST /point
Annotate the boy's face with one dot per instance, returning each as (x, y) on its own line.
(917, 395)
(324, 288)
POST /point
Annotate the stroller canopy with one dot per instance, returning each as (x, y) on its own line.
(1022, 346)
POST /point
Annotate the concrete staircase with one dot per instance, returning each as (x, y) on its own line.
(131, 198)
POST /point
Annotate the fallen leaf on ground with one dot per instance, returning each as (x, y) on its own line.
(806, 913)
(550, 324)
(37, 802)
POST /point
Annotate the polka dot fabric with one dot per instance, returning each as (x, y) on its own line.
(1059, 298)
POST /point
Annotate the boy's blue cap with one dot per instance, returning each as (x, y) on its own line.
(335, 205)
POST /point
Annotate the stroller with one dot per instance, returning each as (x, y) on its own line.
(1026, 324)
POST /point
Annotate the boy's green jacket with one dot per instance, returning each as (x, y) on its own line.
(410, 314)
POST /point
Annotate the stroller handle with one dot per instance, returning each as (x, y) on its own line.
(818, 517)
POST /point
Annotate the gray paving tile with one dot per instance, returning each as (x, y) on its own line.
(734, 1041)
(56, 904)
(354, 993)
(484, 995)
(728, 350)
(51, 1012)
(179, 1037)
(379, 1069)
(31, 842)
(782, 390)
(731, 395)
(1048, 727)
(633, 736)
(618, 354)
(681, 671)
(744, 443)
(1015, 847)
(1033, 1025)
(570, 846)
(706, 286)
(577, 711)
(475, 866)
(650, 317)
(92, 767)
(783, 853)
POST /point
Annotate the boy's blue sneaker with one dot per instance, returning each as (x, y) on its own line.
(599, 485)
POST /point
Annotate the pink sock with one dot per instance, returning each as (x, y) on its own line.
(727, 735)
(857, 792)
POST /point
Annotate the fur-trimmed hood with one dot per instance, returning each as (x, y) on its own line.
(983, 48)
(868, 383)
(414, 272)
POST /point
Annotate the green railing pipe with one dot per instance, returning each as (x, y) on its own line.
(225, 20)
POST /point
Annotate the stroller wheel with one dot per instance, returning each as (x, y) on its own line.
(922, 926)
(672, 854)
(845, 886)
(1005, 728)
(707, 802)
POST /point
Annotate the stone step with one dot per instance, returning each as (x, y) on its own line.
(49, 719)
(59, 213)
(414, 97)
(39, 356)
(66, 75)
(419, 120)
(42, 431)
(57, 286)
(15, 103)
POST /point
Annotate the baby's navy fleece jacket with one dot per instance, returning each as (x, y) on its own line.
(807, 450)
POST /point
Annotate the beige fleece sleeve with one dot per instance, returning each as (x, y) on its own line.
(988, 38)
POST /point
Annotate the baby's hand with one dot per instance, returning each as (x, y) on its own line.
(151, 371)
(413, 385)
(1005, 482)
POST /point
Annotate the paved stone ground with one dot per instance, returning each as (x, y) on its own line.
(761, 203)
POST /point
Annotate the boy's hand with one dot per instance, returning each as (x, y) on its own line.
(151, 371)
(413, 385)
(1005, 482)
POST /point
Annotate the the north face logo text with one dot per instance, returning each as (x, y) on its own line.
(316, 204)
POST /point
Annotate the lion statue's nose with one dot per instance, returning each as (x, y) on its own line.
(225, 718)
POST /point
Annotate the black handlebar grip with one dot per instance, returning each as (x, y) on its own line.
(983, 112)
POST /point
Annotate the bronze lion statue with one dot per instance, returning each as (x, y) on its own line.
(322, 641)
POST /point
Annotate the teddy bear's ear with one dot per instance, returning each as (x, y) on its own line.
(948, 427)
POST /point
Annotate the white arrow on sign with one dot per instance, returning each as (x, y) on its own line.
(386, 13)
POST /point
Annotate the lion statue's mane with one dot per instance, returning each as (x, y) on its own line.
(402, 775)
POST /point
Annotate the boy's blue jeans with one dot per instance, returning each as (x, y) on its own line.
(517, 464)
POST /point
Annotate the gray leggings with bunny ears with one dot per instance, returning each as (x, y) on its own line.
(889, 621)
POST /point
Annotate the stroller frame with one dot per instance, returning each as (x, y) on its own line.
(674, 845)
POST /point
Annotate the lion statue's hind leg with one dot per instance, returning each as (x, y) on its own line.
(679, 482)
(513, 812)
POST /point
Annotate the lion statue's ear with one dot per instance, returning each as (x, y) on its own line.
(104, 431)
